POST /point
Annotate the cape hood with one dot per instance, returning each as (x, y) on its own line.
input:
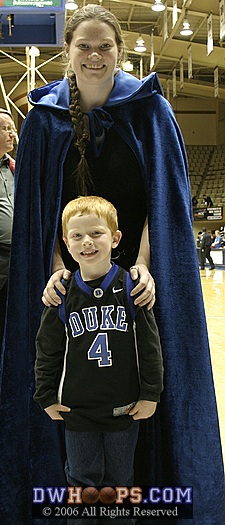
(57, 94)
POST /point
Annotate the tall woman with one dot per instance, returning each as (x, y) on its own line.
(104, 132)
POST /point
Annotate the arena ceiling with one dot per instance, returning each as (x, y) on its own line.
(136, 17)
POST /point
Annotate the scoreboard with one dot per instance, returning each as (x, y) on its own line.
(32, 22)
(30, 4)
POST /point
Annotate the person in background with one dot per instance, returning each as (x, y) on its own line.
(205, 247)
(217, 243)
(198, 239)
(208, 201)
(194, 202)
(212, 236)
(222, 234)
(102, 131)
(7, 165)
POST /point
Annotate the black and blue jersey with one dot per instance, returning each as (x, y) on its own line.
(96, 352)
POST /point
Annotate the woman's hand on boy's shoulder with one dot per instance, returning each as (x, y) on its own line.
(50, 296)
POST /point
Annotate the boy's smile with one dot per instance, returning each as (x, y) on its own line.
(90, 242)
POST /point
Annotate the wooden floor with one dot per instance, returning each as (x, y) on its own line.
(213, 286)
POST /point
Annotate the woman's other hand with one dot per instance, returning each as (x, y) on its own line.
(143, 409)
(50, 296)
(54, 410)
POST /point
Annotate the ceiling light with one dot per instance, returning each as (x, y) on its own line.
(158, 6)
(127, 66)
(34, 51)
(140, 47)
(186, 31)
(70, 5)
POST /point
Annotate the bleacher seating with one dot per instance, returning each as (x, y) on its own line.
(207, 173)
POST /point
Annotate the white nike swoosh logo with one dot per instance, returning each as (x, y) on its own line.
(115, 290)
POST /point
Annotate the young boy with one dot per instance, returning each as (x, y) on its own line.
(99, 363)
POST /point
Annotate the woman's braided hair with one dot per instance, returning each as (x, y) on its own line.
(80, 124)
(84, 181)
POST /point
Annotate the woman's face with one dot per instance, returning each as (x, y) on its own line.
(93, 53)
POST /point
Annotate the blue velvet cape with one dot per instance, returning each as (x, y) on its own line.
(180, 444)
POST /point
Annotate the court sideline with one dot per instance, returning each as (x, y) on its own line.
(213, 286)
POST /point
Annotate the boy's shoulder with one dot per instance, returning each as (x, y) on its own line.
(67, 283)
(128, 285)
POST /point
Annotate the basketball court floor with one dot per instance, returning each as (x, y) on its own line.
(213, 286)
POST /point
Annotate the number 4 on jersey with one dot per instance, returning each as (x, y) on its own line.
(99, 350)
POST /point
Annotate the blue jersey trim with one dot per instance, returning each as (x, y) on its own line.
(104, 284)
(129, 287)
(61, 307)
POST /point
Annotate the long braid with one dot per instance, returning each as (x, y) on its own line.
(83, 179)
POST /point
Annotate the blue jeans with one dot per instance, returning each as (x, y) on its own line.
(101, 459)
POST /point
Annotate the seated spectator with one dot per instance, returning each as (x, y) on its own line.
(218, 240)
(208, 201)
(194, 202)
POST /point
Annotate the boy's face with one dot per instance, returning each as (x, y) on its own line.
(90, 242)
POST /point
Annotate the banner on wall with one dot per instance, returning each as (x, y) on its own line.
(189, 62)
(152, 57)
(209, 214)
(181, 72)
(174, 82)
(222, 19)
(209, 35)
(165, 23)
(175, 16)
(216, 82)
(168, 89)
